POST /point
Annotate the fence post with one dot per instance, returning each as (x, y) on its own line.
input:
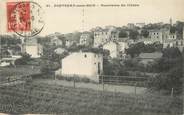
(172, 91)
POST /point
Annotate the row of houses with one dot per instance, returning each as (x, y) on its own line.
(89, 64)
(85, 64)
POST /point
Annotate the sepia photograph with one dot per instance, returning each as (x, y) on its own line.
(91, 57)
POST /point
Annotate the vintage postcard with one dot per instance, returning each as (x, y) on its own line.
(91, 57)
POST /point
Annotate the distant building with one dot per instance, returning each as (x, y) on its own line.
(161, 35)
(112, 47)
(86, 39)
(59, 51)
(56, 41)
(172, 36)
(116, 49)
(174, 43)
(69, 43)
(146, 58)
(33, 48)
(156, 35)
(131, 25)
(103, 36)
(140, 24)
(82, 64)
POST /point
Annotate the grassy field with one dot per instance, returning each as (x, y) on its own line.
(17, 71)
(47, 98)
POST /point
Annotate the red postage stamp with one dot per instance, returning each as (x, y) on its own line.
(18, 16)
(24, 18)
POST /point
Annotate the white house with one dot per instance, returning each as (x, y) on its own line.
(104, 35)
(140, 24)
(59, 51)
(113, 49)
(33, 48)
(69, 43)
(82, 64)
(56, 41)
(131, 25)
(85, 39)
(116, 49)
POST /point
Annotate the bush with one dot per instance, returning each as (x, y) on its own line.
(23, 60)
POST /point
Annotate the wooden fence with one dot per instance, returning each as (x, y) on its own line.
(123, 80)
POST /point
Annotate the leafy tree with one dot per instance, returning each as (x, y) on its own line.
(170, 69)
(133, 34)
(48, 66)
(145, 33)
(135, 50)
(140, 47)
(123, 34)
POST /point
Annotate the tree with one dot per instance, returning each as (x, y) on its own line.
(135, 49)
(145, 33)
(123, 34)
(48, 66)
(170, 69)
(133, 34)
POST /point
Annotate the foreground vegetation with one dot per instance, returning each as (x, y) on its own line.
(44, 98)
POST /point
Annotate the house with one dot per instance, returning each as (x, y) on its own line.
(59, 51)
(156, 35)
(140, 24)
(145, 58)
(172, 36)
(82, 64)
(33, 48)
(174, 43)
(102, 36)
(131, 25)
(116, 49)
(56, 41)
(162, 35)
(112, 47)
(85, 39)
(69, 43)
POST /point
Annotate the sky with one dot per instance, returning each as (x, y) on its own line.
(66, 20)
